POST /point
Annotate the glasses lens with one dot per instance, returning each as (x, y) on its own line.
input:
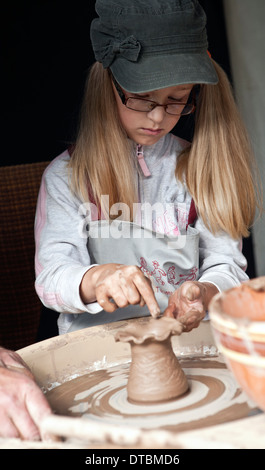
(140, 105)
(189, 108)
(177, 109)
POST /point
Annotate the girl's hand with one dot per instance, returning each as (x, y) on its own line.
(22, 403)
(189, 303)
(116, 286)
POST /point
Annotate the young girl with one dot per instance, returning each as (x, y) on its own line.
(132, 220)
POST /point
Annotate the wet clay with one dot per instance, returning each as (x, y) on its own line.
(244, 301)
(213, 398)
(238, 322)
(155, 372)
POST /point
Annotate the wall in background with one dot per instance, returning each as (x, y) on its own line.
(245, 21)
(45, 56)
(46, 53)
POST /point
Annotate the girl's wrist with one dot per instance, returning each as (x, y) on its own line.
(87, 290)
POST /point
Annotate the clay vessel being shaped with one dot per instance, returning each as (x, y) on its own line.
(155, 372)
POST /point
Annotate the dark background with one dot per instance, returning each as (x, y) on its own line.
(45, 56)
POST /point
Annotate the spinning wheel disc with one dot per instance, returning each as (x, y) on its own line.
(213, 398)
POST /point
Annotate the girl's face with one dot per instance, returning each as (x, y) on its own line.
(146, 128)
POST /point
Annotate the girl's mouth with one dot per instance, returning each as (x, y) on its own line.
(151, 131)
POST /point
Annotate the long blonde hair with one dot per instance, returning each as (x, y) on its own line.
(102, 160)
(216, 167)
(219, 166)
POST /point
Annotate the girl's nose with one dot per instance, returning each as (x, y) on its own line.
(157, 114)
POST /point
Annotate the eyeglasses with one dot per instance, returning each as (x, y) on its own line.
(145, 106)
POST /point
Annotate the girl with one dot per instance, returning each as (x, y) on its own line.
(134, 220)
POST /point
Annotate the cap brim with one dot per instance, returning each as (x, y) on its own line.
(162, 71)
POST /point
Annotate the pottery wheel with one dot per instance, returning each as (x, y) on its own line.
(213, 398)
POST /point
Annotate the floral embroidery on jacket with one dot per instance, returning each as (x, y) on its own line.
(170, 276)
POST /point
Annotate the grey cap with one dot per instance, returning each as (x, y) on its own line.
(152, 44)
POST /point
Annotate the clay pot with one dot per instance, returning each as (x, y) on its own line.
(238, 322)
(155, 373)
(245, 301)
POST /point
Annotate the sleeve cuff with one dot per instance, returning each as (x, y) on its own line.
(222, 281)
(74, 286)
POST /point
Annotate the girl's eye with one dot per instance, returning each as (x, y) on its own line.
(182, 99)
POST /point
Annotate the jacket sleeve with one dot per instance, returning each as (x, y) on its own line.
(220, 258)
(61, 257)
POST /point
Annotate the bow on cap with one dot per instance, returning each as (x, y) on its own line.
(129, 48)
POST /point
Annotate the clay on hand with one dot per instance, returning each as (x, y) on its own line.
(187, 304)
(117, 286)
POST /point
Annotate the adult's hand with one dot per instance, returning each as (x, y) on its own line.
(22, 403)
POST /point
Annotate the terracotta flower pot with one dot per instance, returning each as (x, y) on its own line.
(155, 373)
(238, 323)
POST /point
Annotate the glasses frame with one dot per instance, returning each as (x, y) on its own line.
(193, 96)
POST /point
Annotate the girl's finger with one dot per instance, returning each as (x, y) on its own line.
(144, 287)
(192, 293)
(130, 291)
(111, 299)
(170, 311)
